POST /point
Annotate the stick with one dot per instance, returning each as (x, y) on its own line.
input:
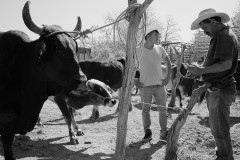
(174, 131)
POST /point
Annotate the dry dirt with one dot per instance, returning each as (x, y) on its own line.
(52, 141)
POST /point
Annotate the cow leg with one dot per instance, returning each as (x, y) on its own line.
(7, 141)
(68, 118)
(39, 122)
(74, 124)
(178, 94)
(95, 113)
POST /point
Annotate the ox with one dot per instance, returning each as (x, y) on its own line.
(96, 93)
(185, 85)
(30, 72)
(109, 71)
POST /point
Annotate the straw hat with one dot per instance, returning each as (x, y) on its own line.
(208, 13)
(152, 28)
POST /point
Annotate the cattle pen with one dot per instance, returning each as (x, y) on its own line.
(118, 135)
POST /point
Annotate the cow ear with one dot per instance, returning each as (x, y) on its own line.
(40, 49)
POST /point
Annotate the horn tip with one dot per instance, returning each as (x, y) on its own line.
(28, 2)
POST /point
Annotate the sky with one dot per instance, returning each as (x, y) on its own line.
(93, 12)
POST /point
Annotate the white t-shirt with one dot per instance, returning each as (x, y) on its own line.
(150, 65)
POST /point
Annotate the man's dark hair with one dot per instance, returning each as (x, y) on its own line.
(214, 19)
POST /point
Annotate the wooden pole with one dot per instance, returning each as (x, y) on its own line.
(174, 131)
(125, 97)
(171, 104)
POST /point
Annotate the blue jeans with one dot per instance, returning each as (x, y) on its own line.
(160, 94)
(218, 104)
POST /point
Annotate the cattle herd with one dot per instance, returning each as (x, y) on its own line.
(31, 71)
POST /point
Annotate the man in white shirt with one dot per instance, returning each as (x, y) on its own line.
(152, 82)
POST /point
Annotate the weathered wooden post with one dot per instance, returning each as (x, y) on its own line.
(174, 131)
(178, 76)
(125, 98)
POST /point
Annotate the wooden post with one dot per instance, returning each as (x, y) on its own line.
(171, 104)
(125, 97)
(174, 131)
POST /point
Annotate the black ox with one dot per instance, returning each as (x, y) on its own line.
(185, 86)
(30, 72)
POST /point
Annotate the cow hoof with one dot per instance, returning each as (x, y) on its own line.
(80, 133)
(2, 129)
(6, 158)
(93, 118)
(74, 141)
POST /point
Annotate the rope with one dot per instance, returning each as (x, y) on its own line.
(154, 105)
(124, 15)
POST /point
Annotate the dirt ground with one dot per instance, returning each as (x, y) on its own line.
(99, 142)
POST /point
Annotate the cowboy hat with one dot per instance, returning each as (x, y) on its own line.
(152, 28)
(208, 13)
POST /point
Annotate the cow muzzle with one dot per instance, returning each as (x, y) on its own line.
(109, 102)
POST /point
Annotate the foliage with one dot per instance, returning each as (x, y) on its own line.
(171, 30)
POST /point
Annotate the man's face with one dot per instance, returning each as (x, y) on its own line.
(153, 37)
(207, 28)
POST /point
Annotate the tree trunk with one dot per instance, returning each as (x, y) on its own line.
(125, 98)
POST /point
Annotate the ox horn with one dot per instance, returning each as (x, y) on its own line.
(77, 28)
(28, 20)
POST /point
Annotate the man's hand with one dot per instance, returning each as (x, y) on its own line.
(195, 70)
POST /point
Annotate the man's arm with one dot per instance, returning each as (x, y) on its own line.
(169, 70)
(215, 68)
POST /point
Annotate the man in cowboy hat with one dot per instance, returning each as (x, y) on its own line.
(152, 81)
(217, 70)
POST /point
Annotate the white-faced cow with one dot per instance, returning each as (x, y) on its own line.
(30, 72)
(96, 94)
(110, 71)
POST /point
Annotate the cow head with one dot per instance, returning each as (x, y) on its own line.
(56, 52)
(96, 93)
(101, 89)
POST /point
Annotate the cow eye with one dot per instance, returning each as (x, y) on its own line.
(58, 48)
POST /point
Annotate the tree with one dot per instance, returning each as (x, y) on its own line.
(236, 17)
(171, 30)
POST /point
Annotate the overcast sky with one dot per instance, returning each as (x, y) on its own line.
(93, 12)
